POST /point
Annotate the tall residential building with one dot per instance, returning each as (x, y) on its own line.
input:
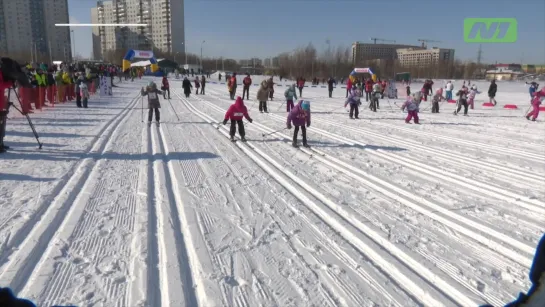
(267, 62)
(27, 27)
(251, 62)
(97, 50)
(165, 30)
(365, 51)
(421, 57)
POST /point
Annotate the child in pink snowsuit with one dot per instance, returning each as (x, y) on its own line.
(412, 104)
(536, 101)
(471, 96)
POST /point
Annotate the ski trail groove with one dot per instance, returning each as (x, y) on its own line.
(175, 276)
(449, 157)
(491, 191)
(343, 285)
(404, 281)
(388, 189)
(30, 244)
(43, 205)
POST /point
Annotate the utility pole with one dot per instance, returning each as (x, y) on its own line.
(479, 55)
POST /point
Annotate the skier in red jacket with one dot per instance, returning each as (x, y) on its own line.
(235, 113)
(246, 86)
(165, 88)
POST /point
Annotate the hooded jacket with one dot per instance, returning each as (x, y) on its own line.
(247, 81)
(353, 97)
(492, 89)
(237, 110)
(263, 92)
(290, 93)
(298, 116)
(186, 84)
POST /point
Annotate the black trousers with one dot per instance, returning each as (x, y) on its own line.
(157, 114)
(202, 90)
(354, 110)
(367, 95)
(197, 91)
(263, 106)
(246, 90)
(233, 129)
(3, 120)
(463, 103)
(78, 99)
(435, 107)
(330, 92)
(300, 91)
(165, 93)
(303, 132)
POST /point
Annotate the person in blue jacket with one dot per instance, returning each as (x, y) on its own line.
(533, 88)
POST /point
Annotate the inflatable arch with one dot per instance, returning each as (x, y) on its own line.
(131, 54)
(362, 71)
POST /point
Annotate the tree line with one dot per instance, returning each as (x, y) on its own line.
(307, 62)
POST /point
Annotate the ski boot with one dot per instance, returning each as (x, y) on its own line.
(233, 138)
(306, 145)
(294, 144)
(243, 139)
(149, 124)
(533, 119)
(528, 117)
(158, 124)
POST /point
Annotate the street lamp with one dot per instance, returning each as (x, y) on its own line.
(201, 54)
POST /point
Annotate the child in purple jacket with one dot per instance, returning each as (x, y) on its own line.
(299, 116)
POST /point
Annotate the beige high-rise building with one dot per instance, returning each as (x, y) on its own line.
(365, 51)
(165, 30)
(27, 29)
(422, 57)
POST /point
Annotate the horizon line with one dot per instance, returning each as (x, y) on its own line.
(101, 25)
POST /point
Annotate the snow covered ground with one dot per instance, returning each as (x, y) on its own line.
(376, 213)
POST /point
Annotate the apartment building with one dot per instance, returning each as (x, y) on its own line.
(165, 30)
(365, 51)
(271, 62)
(27, 27)
(97, 50)
(422, 57)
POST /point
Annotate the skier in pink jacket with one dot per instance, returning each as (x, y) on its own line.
(536, 101)
(412, 104)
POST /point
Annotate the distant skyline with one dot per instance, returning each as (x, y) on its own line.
(245, 29)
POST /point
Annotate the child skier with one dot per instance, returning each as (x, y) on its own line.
(263, 96)
(408, 91)
(84, 93)
(354, 99)
(536, 101)
(186, 85)
(412, 105)
(290, 94)
(299, 116)
(377, 89)
(462, 101)
(235, 113)
(197, 85)
(153, 101)
(435, 100)
(471, 97)
(166, 87)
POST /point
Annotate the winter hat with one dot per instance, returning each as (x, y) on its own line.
(305, 105)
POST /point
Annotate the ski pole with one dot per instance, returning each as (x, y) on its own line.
(336, 109)
(280, 106)
(266, 134)
(27, 117)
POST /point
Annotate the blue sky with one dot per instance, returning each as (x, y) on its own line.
(262, 28)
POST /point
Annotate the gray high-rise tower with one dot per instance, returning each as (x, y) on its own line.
(27, 29)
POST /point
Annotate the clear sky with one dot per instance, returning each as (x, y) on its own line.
(262, 28)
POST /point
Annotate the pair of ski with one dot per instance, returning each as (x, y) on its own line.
(235, 140)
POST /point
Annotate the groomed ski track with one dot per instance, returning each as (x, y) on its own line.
(374, 213)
